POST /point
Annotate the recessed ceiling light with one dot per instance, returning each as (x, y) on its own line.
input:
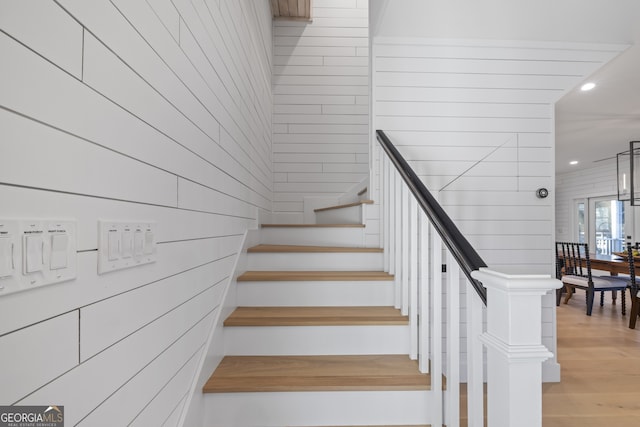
(573, 162)
(587, 86)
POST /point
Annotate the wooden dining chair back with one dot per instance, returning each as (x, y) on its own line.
(633, 289)
(575, 273)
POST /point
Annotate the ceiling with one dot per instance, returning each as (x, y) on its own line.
(590, 126)
(291, 9)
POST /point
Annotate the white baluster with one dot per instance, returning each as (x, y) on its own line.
(475, 358)
(391, 213)
(385, 207)
(414, 304)
(406, 243)
(398, 245)
(436, 327)
(424, 288)
(452, 401)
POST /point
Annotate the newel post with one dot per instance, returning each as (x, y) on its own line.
(514, 346)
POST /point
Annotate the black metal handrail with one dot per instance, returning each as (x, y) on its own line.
(458, 245)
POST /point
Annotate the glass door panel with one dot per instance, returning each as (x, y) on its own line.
(608, 226)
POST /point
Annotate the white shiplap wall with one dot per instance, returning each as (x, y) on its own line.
(321, 112)
(582, 184)
(130, 110)
(475, 119)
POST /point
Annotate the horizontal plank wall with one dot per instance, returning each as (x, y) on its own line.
(321, 97)
(155, 110)
(597, 181)
(475, 119)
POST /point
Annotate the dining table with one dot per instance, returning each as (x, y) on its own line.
(614, 264)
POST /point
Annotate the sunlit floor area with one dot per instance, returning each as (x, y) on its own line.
(600, 359)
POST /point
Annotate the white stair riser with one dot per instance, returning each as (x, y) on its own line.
(340, 236)
(316, 340)
(318, 408)
(315, 261)
(350, 215)
(329, 293)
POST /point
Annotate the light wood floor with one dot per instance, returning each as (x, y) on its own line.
(600, 359)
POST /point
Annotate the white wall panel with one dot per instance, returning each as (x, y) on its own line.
(319, 84)
(122, 362)
(152, 110)
(159, 408)
(108, 321)
(33, 356)
(36, 155)
(90, 287)
(174, 224)
(480, 111)
(598, 181)
(118, 408)
(48, 30)
(168, 14)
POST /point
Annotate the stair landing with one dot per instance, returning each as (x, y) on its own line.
(316, 373)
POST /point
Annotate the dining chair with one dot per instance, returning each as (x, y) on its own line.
(573, 268)
(633, 289)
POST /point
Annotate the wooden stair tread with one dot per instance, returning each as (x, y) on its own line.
(289, 275)
(311, 249)
(316, 373)
(315, 316)
(312, 225)
(347, 205)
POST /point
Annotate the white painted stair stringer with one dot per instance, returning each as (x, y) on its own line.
(326, 408)
(323, 293)
(316, 340)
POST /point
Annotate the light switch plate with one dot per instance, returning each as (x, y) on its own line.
(43, 252)
(132, 248)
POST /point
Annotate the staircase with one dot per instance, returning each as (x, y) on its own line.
(315, 340)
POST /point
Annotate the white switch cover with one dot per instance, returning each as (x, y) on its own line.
(43, 252)
(127, 243)
(113, 245)
(6, 256)
(133, 250)
(59, 255)
(33, 254)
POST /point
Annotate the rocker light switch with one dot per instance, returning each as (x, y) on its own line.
(114, 245)
(138, 243)
(34, 253)
(6, 257)
(59, 245)
(127, 244)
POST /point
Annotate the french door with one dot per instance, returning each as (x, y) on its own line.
(604, 223)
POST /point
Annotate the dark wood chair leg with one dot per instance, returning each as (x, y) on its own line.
(624, 302)
(590, 298)
(614, 297)
(635, 310)
(602, 298)
(559, 294)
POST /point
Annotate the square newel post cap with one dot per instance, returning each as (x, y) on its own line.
(532, 284)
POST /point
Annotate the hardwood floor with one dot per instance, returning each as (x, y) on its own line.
(600, 359)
